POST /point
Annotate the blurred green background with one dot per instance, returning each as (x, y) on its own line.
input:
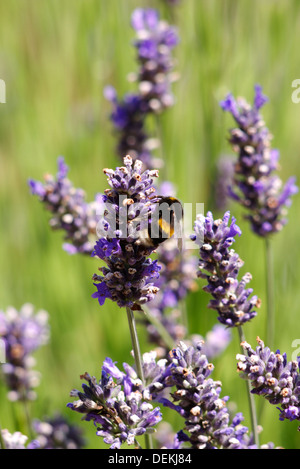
(56, 57)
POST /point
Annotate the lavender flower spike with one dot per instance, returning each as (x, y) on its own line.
(154, 44)
(272, 377)
(197, 398)
(70, 211)
(219, 265)
(58, 433)
(117, 405)
(127, 279)
(128, 116)
(256, 187)
(17, 441)
(23, 332)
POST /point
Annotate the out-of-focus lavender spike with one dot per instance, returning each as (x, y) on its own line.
(23, 332)
(70, 212)
(255, 186)
(58, 433)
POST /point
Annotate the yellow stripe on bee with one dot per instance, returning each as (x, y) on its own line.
(165, 227)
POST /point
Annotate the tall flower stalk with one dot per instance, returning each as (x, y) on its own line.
(270, 375)
(154, 43)
(23, 332)
(127, 278)
(256, 186)
(219, 265)
(197, 398)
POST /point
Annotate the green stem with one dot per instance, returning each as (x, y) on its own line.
(27, 417)
(137, 359)
(270, 296)
(164, 334)
(251, 401)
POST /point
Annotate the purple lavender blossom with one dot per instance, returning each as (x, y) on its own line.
(154, 44)
(272, 377)
(128, 116)
(256, 187)
(197, 399)
(70, 211)
(128, 277)
(219, 265)
(215, 341)
(23, 332)
(117, 405)
(223, 182)
(17, 440)
(166, 437)
(57, 433)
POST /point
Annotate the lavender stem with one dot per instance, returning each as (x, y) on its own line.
(251, 401)
(164, 334)
(137, 359)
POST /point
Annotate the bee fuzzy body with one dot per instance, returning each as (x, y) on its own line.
(163, 223)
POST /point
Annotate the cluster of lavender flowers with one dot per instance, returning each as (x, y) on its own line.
(223, 181)
(122, 409)
(117, 405)
(69, 209)
(127, 279)
(17, 440)
(272, 377)
(197, 399)
(154, 43)
(23, 332)
(219, 265)
(121, 404)
(57, 433)
(214, 343)
(256, 187)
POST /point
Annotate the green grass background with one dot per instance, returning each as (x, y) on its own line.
(56, 57)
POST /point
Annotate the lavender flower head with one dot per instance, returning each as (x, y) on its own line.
(17, 440)
(219, 265)
(154, 44)
(23, 333)
(128, 116)
(223, 181)
(127, 279)
(117, 405)
(272, 377)
(166, 437)
(256, 187)
(197, 398)
(215, 341)
(70, 211)
(57, 433)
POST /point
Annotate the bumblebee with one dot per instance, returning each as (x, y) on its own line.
(165, 221)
